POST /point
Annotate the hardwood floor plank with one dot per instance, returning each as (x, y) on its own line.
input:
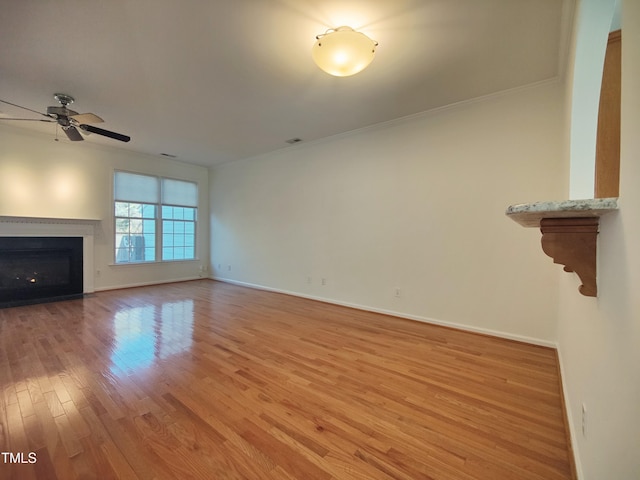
(284, 456)
(44, 468)
(50, 436)
(194, 418)
(17, 437)
(208, 380)
(117, 462)
(68, 437)
(135, 455)
(34, 432)
(55, 407)
(79, 426)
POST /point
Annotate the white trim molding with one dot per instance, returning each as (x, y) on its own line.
(57, 227)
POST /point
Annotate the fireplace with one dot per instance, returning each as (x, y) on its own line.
(40, 269)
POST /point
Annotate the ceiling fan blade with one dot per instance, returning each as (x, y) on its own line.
(29, 119)
(87, 118)
(105, 133)
(24, 108)
(73, 134)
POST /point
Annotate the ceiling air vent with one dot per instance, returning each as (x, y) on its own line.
(168, 155)
(291, 141)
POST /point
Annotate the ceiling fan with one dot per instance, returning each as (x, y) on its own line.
(69, 120)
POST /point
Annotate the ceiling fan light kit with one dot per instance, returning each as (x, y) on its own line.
(69, 120)
(343, 52)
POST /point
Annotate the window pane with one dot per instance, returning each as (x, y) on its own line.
(135, 225)
(149, 226)
(178, 213)
(189, 240)
(189, 214)
(122, 225)
(167, 212)
(167, 253)
(189, 228)
(149, 240)
(149, 211)
(178, 228)
(122, 255)
(189, 252)
(167, 226)
(135, 210)
(122, 209)
(167, 240)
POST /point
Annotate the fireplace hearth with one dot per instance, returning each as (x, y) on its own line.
(40, 269)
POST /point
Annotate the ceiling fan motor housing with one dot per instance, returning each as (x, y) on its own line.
(60, 111)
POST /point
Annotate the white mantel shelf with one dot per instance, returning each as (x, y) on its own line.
(530, 214)
(569, 233)
(52, 220)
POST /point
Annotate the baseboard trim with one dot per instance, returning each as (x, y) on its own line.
(571, 428)
(433, 321)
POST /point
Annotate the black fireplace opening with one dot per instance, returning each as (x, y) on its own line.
(40, 269)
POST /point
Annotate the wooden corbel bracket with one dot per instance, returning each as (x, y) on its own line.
(572, 242)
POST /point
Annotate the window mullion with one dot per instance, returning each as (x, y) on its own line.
(159, 222)
(159, 232)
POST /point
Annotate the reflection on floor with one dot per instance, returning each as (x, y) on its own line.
(143, 334)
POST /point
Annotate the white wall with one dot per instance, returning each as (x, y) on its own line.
(43, 178)
(416, 204)
(599, 338)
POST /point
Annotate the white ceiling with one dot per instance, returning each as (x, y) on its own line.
(218, 80)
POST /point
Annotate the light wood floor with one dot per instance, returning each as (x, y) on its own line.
(206, 380)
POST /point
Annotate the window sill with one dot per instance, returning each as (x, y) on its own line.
(161, 262)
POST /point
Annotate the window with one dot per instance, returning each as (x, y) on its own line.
(155, 218)
(178, 232)
(135, 232)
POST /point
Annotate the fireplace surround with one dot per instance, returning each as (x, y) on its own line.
(30, 229)
(40, 269)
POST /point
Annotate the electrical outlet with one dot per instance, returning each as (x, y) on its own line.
(323, 281)
(309, 280)
(584, 420)
(397, 292)
(228, 268)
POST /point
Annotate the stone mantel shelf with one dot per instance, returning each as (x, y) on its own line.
(530, 214)
(569, 233)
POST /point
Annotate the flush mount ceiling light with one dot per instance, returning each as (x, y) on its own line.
(343, 51)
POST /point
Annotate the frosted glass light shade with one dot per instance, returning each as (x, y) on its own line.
(343, 52)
